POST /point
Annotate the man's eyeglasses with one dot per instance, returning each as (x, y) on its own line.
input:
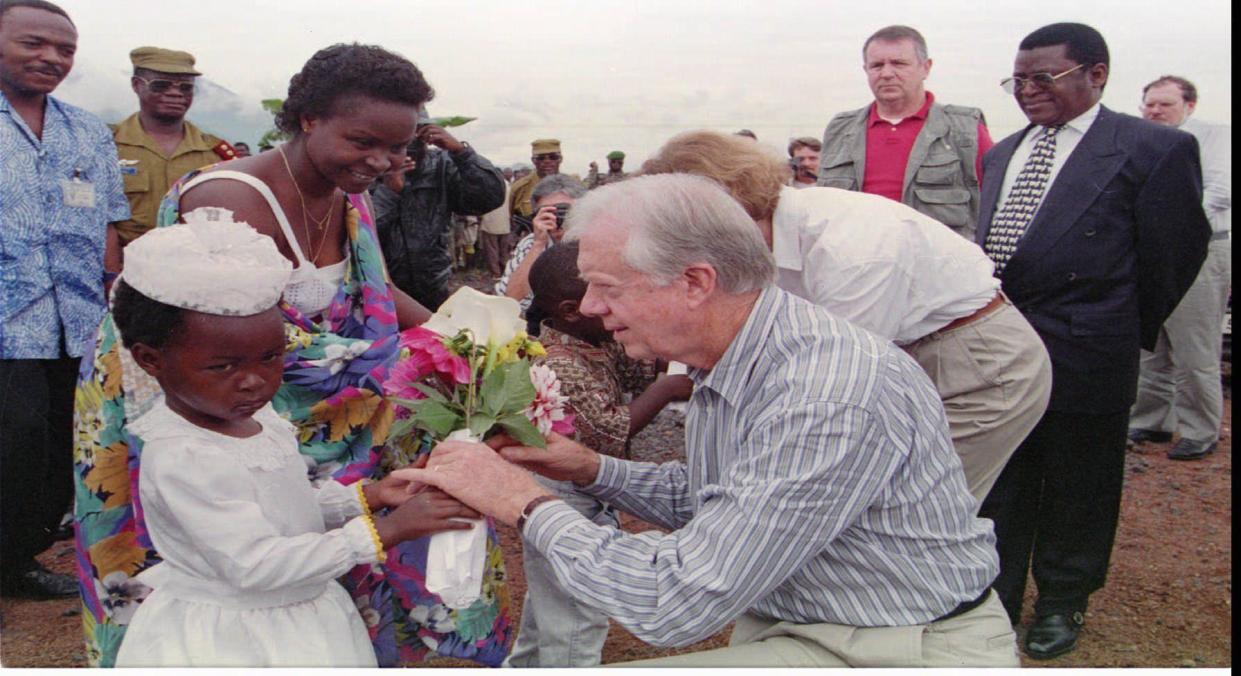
(546, 157)
(161, 86)
(1041, 80)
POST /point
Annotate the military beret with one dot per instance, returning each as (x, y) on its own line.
(616, 155)
(163, 60)
(545, 145)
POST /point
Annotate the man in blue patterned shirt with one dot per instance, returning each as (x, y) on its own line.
(821, 505)
(60, 190)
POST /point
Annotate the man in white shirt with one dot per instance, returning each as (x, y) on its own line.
(899, 274)
(1179, 386)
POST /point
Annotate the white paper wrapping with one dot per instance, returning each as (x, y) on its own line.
(455, 558)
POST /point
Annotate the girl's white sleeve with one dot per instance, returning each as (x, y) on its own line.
(338, 502)
(212, 501)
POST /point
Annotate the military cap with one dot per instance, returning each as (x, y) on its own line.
(163, 60)
(616, 155)
(545, 145)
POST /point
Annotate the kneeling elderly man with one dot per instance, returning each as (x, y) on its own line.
(821, 505)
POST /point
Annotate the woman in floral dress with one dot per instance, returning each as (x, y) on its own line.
(350, 113)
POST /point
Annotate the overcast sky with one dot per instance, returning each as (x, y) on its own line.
(603, 75)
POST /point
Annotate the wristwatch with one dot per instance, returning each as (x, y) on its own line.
(529, 509)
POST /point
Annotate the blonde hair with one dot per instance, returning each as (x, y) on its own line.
(750, 174)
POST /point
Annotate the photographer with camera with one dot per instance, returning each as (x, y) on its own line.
(550, 202)
(415, 203)
(804, 161)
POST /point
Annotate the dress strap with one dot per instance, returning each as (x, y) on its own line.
(263, 190)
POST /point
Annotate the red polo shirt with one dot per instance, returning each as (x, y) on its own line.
(888, 146)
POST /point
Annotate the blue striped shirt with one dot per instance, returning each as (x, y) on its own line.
(51, 254)
(820, 486)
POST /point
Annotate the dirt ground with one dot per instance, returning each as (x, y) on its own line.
(1167, 603)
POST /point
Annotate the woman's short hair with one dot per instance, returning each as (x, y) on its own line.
(555, 183)
(350, 69)
(751, 174)
(141, 319)
(675, 221)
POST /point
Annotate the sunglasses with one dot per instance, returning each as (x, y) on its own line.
(1041, 80)
(546, 157)
(161, 86)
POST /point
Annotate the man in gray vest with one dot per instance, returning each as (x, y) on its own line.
(905, 146)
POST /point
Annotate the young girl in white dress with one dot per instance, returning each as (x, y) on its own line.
(251, 550)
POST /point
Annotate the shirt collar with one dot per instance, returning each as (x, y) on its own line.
(785, 230)
(874, 119)
(1082, 122)
(130, 132)
(731, 373)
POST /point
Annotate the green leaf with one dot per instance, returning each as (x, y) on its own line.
(453, 121)
(508, 389)
(272, 105)
(435, 418)
(481, 424)
(520, 428)
(431, 392)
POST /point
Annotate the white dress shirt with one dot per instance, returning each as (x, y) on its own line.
(1066, 143)
(878, 263)
(1215, 146)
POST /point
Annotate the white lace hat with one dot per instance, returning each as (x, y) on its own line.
(209, 263)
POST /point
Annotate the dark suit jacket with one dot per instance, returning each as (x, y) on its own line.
(1117, 241)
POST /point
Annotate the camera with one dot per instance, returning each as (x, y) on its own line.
(562, 210)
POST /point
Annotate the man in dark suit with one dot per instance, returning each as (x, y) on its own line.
(1095, 223)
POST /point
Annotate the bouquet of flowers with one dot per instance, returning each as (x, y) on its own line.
(467, 377)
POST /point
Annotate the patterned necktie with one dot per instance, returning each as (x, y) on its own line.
(1014, 217)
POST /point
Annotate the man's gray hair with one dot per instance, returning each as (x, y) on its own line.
(675, 221)
(555, 183)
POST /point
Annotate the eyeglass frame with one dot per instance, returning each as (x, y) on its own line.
(1014, 84)
(550, 157)
(157, 85)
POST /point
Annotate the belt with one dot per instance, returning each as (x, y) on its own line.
(965, 606)
(991, 306)
(1225, 234)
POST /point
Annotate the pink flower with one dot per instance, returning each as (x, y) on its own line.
(401, 378)
(427, 347)
(548, 410)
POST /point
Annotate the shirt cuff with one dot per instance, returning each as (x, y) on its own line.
(339, 502)
(549, 521)
(363, 541)
(610, 482)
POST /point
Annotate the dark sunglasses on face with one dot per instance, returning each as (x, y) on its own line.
(161, 86)
(546, 157)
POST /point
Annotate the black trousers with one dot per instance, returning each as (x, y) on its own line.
(1055, 508)
(36, 455)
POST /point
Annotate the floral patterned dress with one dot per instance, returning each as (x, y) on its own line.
(333, 394)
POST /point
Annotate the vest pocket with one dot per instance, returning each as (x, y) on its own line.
(950, 206)
(139, 182)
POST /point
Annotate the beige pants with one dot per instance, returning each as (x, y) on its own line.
(982, 637)
(994, 377)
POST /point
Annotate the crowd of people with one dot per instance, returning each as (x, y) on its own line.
(913, 358)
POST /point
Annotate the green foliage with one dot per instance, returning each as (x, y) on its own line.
(453, 121)
(273, 136)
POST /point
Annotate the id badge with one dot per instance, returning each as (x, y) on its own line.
(78, 193)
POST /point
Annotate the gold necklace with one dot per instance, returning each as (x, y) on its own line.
(307, 219)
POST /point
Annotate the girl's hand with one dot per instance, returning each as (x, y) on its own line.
(430, 511)
(394, 489)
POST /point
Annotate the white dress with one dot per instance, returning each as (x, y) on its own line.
(249, 567)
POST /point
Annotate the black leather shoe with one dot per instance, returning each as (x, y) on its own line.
(39, 583)
(1139, 436)
(1053, 635)
(1188, 449)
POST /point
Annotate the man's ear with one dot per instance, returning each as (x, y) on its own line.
(569, 310)
(148, 358)
(700, 281)
(1098, 75)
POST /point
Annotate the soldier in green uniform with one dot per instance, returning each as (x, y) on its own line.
(616, 171)
(157, 145)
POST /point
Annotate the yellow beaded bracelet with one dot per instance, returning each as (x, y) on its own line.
(379, 546)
